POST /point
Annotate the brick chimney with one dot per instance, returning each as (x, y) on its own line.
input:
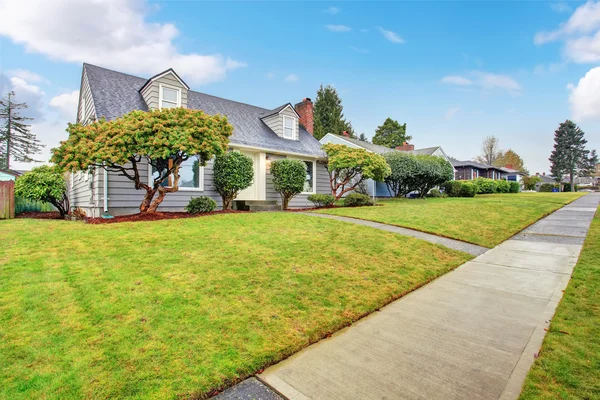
(509, 166)
(406, 147)
(305, 110)
(345, 133)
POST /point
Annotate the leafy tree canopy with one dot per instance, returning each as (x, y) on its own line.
(391, 134)
(416, 173)
(328, 114)
(164, 138)
(530, 181)
(349, 167)
(46, 184)
(510, 159)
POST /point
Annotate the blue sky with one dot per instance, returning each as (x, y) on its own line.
(455, 72)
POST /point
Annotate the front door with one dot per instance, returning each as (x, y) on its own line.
(251, 192)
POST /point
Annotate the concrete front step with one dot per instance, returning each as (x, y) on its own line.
(256, 205)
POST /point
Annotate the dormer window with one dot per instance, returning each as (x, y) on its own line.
(289, 127)
(170, 97)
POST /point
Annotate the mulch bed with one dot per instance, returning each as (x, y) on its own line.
(40, 215)
(156, 216)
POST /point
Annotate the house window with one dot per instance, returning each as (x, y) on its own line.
(309, 183)
(191, 175)
(289, 127)
(169, 97)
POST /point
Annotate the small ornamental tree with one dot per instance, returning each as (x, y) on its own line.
(432, 171)
(44, 183)
(289, 176)
(163, 138)
(401, 181)
(529, 182)
(233, 172)
(349, 167)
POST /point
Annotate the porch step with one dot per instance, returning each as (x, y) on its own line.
(256, 205)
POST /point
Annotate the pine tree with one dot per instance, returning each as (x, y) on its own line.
(569, 156)
(16, 141)
(363, 138)
(328, 114)
(391, 134)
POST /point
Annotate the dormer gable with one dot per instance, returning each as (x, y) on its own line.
(284, 121)
(165, 90)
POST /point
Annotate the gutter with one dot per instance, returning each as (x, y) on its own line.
(105, 214)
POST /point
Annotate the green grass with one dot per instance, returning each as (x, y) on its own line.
(486, 220)
(181, 307)
(569, 362)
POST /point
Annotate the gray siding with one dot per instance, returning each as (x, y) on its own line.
(151, 95)
(87, 114)
(85, 191)
(275, 122)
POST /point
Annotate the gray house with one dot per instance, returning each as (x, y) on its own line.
(262, 134)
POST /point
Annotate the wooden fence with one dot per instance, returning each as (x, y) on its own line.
(7, 199)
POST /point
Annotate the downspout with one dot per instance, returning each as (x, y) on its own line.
(105, 214)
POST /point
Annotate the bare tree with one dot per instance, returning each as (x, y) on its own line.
(490, 150)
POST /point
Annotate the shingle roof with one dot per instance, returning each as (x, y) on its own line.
(457, 163)
(366, 145)
(427, 150)
(115, 94)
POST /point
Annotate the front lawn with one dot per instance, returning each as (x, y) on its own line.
(181, 307)
(569, 362)
(486, 220)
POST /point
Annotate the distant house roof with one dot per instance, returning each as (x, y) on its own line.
(513, 171)
(375, 148)
(427, 150)
(13, 172)
(457, 163)
(115, 94)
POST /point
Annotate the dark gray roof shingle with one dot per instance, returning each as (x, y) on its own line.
(116, 94)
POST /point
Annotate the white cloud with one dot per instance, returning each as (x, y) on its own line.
(338, 28)
(114, 34)
(360, 49)
(291, 78)
(391, 36)
(457, 80)
(451, 112)
(66, 104)
(26, 75)
(585, 97)
(332, 10)
(25, 93)
(560, 7)
(485, 80)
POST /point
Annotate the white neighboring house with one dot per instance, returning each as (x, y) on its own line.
(10, 174)
(380, 188)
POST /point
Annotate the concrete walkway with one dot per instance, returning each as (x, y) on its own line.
(472, 249)
(470, 334)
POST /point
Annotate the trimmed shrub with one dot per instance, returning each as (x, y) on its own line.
(547, 187)
(502, 186)
(468, 189)
(47, 184)
(452, 188)
(357, 199)
(435, 193)
(485, 185)
(515, 187)
(199, 205)
(289, 176)
(321, 200)
(415, 173)
(567, 187)
(233, 172)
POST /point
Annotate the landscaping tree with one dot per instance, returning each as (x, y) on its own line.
(432, 171)
(289, 176)
(490, 151)
(163, 138)
(530, 181)
(46, 184)
(391, 134)
(328, 113)
(348, 167)
(16, 141)
(363, 138)
(510, 159)
(401, 181)
(569, 155)
(232, 173)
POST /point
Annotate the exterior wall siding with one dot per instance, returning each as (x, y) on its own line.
(151, 95)
(275, 122)
(86, 110)
(85, 191)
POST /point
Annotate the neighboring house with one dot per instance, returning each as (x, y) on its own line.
(545, 179)
(513, 174)
(10, 174)
(262, 134)
(469, 170)
(380, 188)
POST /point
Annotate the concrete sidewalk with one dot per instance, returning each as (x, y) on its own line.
(470, 334)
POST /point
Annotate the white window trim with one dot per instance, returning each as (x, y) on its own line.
(314, 177)
(181, 189)
(293, 127)
(160, 95)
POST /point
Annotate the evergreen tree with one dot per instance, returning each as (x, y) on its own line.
(391, 134)
(328, 114)
(363, 138)
(16, 141)
(569, 156)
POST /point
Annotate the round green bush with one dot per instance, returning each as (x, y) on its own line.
(485, 185)
(357, 199)
(321, 200)
(289, 176)
(44, 183)
(468, 189)
(515, 187)
(547, 187)
(452, 188)
(435, 193)
(199, 205)
(502, 186)
(233, 172)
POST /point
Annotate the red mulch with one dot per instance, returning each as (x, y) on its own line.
(40, 215)
(155, 216)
